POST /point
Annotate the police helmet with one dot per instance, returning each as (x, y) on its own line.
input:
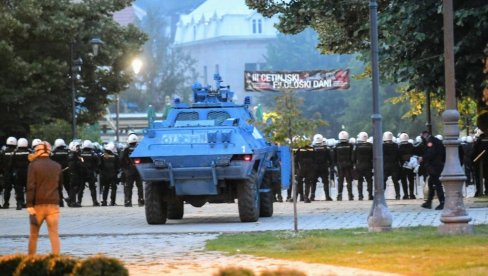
(22, 143)
(410, 141)
(362, 137)
(352, 140)
(404, 138)
(11, 141)
(370, 140)
(469, 139)
(59, 143)
(73, 146)
(35, 142)
(132, 138)
(418, 139)
(318, 139)
(388, 136)
(87, 144)
(343, 136)
(110, 147)
(438, 136)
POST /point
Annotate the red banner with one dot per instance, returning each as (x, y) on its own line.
(316, 80)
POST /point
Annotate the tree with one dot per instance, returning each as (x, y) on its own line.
(286, 125)
(167, 70)
(410, 35)
(35, 39)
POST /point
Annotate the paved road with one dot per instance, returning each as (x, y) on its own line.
(176, 248)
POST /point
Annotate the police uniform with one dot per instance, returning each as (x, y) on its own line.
(305, 158)
(60, 155)
(321, 164)
(131, 176)
(406, 151)
(391, 165)
(109, 169)
(363, 161)
(8, 175)
(433, 159)
(75, 164)
(298, 178)
(343, 159)
(481, 164)
(20, 164)
(90, 165)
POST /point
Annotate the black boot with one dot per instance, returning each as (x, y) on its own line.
(104, 203)
(427, 205)
(140, 202)
(440, 207)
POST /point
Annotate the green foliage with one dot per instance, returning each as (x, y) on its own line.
(234, 271)
(167, 71)
(100, 265)
(62, 129)
(9, 263)
(287, 122)
(37, 265)
(35, 39)
(411, 37)
(61, 265)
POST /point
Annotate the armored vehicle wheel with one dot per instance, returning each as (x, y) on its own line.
(156, 207)
(248, 199)
(266, 199)
(266, 204)
(175, 209)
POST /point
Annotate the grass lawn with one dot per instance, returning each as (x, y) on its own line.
(408, 251)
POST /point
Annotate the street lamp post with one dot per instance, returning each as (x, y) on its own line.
(379, 218)
(454, 216)
(75, 68)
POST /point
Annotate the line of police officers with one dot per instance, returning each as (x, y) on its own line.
(81, 163)
(403, 159)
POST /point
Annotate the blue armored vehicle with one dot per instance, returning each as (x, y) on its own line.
(209, 152)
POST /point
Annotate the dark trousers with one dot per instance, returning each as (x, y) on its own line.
(129, 185)
(407, 175)
(365, 175)
(299, 181)
(345, 173)
(395, 177)
(74, 188)
(8, 184)
(435, 186)
(324, 174)
(108, 183)
(91, 180)
(20, 187)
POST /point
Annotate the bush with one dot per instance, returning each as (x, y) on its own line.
(9, 263)
(234, 271)
(61, 265)
(33, 266)
(100, 265)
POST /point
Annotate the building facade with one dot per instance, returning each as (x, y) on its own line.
(225, 37)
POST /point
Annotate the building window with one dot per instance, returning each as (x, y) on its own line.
(260, 26)
(254, 26)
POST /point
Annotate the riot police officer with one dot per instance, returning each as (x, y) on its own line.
(363, 162)
(406, 151)
(343, 159)
(131, 174)
(305, 157)
(321, 164)
(109, 169)
(60, 155)
(468, 159)
(20, 164)
(391, 162)
(75, 164)
(434, 158)
(90, 165)
(8, 176)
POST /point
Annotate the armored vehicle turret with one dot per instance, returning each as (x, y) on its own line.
(209, 152)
